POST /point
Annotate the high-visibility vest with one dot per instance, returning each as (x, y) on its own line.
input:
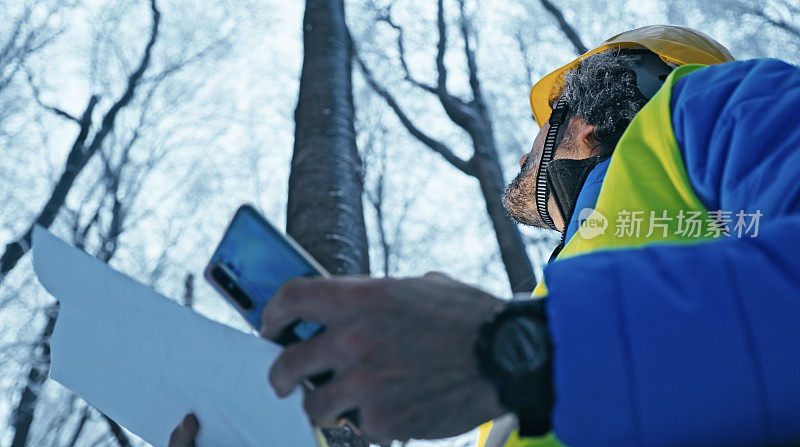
(646, 173)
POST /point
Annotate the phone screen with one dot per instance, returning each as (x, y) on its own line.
(252, 262)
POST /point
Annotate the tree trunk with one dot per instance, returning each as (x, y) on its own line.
(325, 213)
(490, 176)
(37, 374)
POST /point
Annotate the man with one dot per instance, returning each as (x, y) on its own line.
(669, 311)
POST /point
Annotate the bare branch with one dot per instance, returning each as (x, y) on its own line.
(113, 180)
(186, 61)
(456, 109)
(472, 65)
(566, 28)
(107, 124)
(441, 48)
(80, 154)
(75, 163)
(38, 99)
(387, 18)
(19, 48)
(474, 118)
(376, 194)
(14, 34)
(778, 23)
(522, 45)
(435, 145)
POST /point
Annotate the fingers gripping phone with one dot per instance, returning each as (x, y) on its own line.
(252, 262)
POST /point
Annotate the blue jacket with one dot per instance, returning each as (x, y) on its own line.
(698, 344)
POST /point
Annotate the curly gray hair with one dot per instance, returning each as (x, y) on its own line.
(602, 90)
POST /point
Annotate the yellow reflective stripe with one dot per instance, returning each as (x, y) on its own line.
(548, 440)
(483, 433)
(320, 437)
(540, 291)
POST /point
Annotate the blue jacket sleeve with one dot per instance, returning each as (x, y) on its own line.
(699, 344)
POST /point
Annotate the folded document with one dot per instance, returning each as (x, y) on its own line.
(146, 361)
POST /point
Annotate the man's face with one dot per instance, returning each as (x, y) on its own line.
(519, 197)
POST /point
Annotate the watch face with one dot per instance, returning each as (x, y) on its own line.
(519, 346)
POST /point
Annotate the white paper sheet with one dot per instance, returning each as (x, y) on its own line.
(146, 361)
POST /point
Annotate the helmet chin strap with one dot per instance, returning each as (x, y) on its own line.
(542, 190)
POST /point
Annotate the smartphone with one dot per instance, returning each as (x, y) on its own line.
(252, 261)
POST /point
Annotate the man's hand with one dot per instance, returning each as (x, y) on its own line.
(184, 434)
(401, 351)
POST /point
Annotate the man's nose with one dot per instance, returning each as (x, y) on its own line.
(522, 160)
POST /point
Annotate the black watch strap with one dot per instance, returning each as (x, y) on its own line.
(513, 350)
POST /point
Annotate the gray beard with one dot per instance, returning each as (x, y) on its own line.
(519, 197)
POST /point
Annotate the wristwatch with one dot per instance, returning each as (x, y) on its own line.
(513, 351)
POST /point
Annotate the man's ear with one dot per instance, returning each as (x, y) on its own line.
(583, 136)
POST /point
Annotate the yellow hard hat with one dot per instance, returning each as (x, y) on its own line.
(677, 45)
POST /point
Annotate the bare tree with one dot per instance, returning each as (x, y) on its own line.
(474, 118)
(82, 151)
(109, 230)
(389, 217)
(40, 367)
(112, 173)
(376, 196)
(120, 181)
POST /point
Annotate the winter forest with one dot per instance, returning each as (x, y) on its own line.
(135, 128)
